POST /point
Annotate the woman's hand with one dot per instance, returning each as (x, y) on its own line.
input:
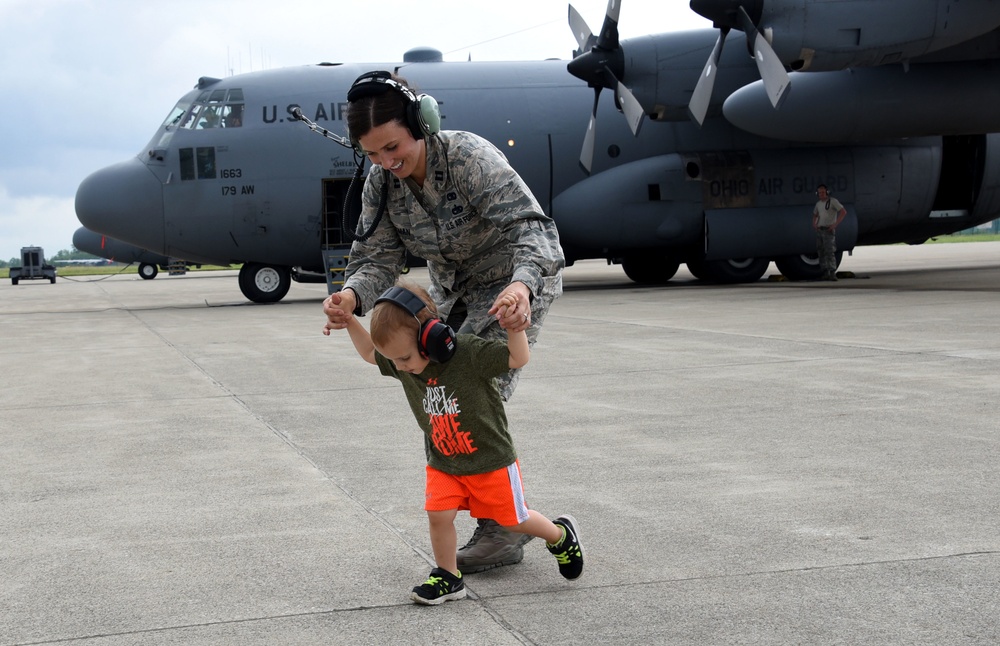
(339, 309)
(512, 307)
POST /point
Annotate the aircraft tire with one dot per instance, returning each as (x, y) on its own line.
(733, 271)
(148, 271)
(649, 269)
(13, 281)
(803, 266)
(262, 283)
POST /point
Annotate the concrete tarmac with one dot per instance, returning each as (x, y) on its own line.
(774, 463)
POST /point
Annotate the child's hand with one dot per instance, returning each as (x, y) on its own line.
(339, 310)
(512, 308)
(506, 302)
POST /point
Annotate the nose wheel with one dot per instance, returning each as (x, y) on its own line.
(264, 283)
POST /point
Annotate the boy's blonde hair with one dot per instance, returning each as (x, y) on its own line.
(389, 318)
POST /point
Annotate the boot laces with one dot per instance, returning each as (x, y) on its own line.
(483, 528)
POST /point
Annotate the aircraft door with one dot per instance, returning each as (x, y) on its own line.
(334, 195)
(961, 172)
(878, 174)
(988, 200)
(336, 242)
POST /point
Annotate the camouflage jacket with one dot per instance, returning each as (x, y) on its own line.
(475, 222)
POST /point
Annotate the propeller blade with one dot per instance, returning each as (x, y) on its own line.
(772, 72)
(631, 107)
(702, 95)
(608, 40)
(581, 31)
(587, 153)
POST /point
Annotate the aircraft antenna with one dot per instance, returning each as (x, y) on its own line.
(513, 33)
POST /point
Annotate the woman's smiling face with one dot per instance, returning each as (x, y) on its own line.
(392, 147)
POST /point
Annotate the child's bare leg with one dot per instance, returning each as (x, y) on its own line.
(537, 525)
(444, 540)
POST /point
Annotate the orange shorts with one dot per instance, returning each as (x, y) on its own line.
(497, 495)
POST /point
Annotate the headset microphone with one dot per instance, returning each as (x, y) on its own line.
(343, 141)
(359, 160)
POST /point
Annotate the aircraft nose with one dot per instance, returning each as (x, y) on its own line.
(124, 201)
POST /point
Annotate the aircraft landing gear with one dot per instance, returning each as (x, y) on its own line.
(264, 283)
(802, 267)
(148, 271)
(650, 268)
(729, 272)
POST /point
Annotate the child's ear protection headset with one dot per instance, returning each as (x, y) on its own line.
(435, 340)
(423, 116)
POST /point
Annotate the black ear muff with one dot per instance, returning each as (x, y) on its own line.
(423, 115)
(435, 340)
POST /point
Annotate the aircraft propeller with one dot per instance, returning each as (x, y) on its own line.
(732, 14)
(584, 37)
(601, 63)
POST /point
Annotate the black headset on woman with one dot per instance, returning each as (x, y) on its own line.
(422, 118)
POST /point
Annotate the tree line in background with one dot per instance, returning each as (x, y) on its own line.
(65, 254)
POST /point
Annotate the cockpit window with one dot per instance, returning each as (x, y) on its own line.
(215, 109)
(175, 115)
(209, 117)
(191, 117)
(232, 115)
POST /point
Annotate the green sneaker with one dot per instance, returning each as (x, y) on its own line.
(568, 551)
(440, 587)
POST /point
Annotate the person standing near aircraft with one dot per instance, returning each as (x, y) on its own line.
(827, 215)
(450, 383)
(451, 198)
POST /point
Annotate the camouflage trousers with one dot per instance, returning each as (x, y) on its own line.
(826, 248)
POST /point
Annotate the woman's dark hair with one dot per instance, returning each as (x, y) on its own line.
(372, 111)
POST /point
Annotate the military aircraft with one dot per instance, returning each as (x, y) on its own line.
(726, 136)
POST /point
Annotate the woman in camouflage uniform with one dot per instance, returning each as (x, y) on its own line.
(451, 198)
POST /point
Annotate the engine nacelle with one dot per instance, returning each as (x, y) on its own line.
(649, 203)
(874, 104)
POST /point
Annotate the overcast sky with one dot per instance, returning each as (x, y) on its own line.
(85, 83)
